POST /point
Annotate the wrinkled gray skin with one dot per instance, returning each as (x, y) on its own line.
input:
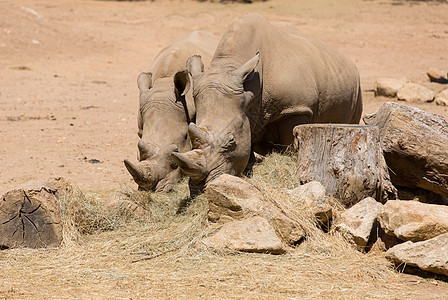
(166, 108)
(245, 102)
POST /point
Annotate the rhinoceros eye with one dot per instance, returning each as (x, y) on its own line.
(229, 142)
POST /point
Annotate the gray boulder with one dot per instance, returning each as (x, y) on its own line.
(121, 202)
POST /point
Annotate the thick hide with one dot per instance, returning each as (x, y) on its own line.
(166, 107)
(262, 82)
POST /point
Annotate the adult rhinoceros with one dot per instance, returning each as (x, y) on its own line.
(166, 108)
(245, 102)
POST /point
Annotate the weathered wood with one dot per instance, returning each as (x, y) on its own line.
(30, 217)
(346, 159)
(415, 145)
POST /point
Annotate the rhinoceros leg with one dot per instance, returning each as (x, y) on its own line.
(278, 135)
(358, 111)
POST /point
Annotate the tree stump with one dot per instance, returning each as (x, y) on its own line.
(415, 146)
(346, 159)
(30, 217)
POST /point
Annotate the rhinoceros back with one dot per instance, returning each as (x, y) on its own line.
(298, 74)
(173, 58)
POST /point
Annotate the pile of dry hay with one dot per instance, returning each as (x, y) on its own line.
(113, 254)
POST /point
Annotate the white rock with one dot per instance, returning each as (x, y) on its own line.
(412, 220)
(430, 255)
(356, 223)
(254, 234)
(442, 98)
(388, 87)
(414, 92)
(312, 194)
(437, 75)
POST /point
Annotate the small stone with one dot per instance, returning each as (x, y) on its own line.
(412, 220)
(312, 194)
(436, 75)
(357, 222)
(413, 92)
(119, 201)
(430, 255)
(442, 98)
(254, 234)
(388, 87)
(384, 241)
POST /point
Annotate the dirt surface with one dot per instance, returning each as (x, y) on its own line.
(68, 69)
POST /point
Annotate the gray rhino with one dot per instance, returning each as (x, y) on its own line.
(248, 103)
(166, 109)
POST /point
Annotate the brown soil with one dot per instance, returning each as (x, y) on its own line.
(68, 69)
(68, 93)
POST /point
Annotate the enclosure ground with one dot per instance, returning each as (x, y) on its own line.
(68, 107)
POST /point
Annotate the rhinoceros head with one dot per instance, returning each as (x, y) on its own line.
(153, 170)
(163, 125)
(221, 140)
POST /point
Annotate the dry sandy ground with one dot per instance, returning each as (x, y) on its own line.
(68, 69)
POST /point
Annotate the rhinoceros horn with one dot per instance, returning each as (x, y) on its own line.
(145, 151)
(198, 136)
(192, 162)
(135, 171)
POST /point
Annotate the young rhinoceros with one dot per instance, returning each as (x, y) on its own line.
(245, 102)
(166, 108)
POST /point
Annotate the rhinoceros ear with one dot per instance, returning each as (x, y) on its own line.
(182, 83)
(144, 81)
(245, 70)
(195, 66)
